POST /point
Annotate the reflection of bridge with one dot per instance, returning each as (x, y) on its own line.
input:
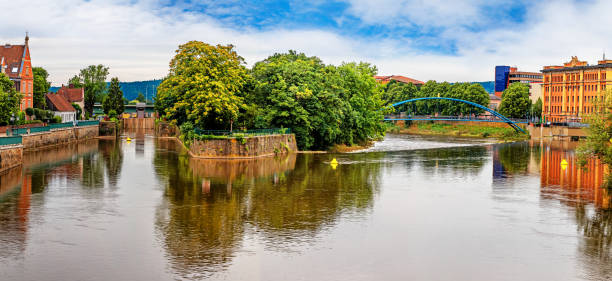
(495, 116)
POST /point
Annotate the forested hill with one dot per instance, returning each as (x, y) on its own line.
(131, 89)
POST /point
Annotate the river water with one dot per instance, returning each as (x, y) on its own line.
(410, 209)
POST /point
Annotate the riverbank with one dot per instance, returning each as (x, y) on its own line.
(504, 134)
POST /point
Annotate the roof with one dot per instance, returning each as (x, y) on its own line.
(398, 78)
(60, 103)
(71, 94)
(11, 56)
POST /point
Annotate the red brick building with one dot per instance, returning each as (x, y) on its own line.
(16, 64)
(398, 78)
(73, 95)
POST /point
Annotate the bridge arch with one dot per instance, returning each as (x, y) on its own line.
(493, 112)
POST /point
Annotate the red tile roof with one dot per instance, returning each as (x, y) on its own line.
(59, 103)
(11, 56)
(398, 78)
(71, 94)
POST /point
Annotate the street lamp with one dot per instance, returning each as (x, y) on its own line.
(12, 122)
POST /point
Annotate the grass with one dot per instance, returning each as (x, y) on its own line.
(460, 130)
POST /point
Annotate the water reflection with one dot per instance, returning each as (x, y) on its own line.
(286, 200)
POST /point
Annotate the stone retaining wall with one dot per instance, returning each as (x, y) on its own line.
(10, 156)
(248, 147)
(108, 128)
(165, 129)
(59, 136)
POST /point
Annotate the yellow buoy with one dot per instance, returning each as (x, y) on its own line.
(334, 163)
(128, 139)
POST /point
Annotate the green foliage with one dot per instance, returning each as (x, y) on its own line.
(515, 101)
(93, 79)
(112, 113)
(9, 99)
(598, 143)
(204, 86)
(40, 86)
(114, 100)
(56, 119)
(536, 109)
(397, 91)
(141, 97)
(79, 110)
(29, 111)
(323, 105)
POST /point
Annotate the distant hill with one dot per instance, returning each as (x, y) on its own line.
(131, 89)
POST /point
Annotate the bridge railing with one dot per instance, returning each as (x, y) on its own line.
(451, 118)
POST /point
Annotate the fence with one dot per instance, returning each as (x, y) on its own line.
(256, 132)
(10, 140)
(24, 131)
(88, 123)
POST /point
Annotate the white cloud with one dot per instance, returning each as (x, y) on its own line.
(138, 39)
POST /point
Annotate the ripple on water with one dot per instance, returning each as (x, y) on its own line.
(393, 142)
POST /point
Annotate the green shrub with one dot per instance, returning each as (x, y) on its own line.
(29, 111)
(56, 119)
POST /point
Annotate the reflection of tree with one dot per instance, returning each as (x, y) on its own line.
(514, 157)
(113, 159)
(468, 159)
(200, 230)
(596, 230)
(287, 199)
(93, 171)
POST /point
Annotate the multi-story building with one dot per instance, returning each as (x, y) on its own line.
(570, 91)
(506, 75)
(16, 64)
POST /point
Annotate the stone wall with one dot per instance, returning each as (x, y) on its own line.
(108, 128)
(59, 136)
(139, 123)
(165, 130)
(248, 147)
(10, 156)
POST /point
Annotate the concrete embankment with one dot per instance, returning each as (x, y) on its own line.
(59, 136)
(10, 156)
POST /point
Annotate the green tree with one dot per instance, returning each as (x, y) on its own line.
(40, 86)
(78, 109)
(515, 101)
(93, 79)
(9, 99)
(598, 142)
(114, 99)
(141, 97)
(75, 81)
(536, 109)
(203, 86)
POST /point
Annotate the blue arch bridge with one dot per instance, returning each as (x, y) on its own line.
(494, 117)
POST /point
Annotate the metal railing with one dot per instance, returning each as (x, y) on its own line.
(10, 140)
(88, 123)
(255, 132)
(60, 125)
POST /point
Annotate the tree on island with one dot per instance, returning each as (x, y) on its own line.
(515, 101)
(40, 87)
(114, 99)
(93, 78)
(204, 86)
(9, 99)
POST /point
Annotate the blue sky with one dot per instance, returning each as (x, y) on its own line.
(444, 40)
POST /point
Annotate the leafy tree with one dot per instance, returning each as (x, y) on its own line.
(323, 105)
(515, 101)
(93, 79)
(114, 100)
(536, 109)
(396, 91)
(40, 86)
(76, 81)
(29, 111)
(78, 109)
(141, 97)
(597, 144)
(203, 86)
(9, 99)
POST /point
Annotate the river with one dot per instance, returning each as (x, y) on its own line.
(411, 208)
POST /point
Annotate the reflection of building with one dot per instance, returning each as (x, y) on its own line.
(570, 91)
(506, 75)
(398, 78)
(16, 64)
(574, 183)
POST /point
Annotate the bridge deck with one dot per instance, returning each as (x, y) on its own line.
(453, 119)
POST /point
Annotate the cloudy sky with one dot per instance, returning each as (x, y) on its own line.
(444, 40)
